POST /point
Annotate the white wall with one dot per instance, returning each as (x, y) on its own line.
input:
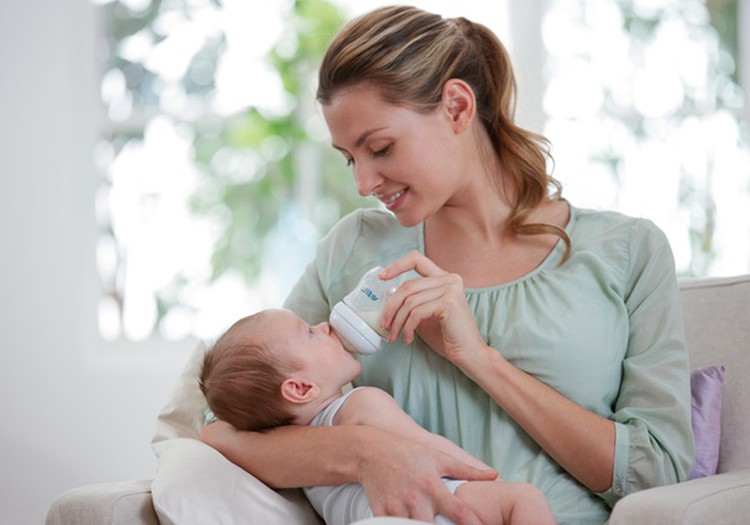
(75, 410)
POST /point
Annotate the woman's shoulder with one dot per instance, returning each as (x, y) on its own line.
(618, 240)
(603, 227)
(369, 221)
(372, 229)
(363, 239)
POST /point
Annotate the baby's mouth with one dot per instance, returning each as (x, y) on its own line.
(346, 345)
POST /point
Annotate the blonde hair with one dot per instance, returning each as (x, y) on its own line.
(409, 55)
(241, 378)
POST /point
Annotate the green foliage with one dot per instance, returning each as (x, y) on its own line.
(248, 164)
(248, 206)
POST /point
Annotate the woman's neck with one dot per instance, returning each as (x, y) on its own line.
(480, 211)
(482, 206)
(484, 249)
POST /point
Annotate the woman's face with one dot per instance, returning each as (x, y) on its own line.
(408, 160)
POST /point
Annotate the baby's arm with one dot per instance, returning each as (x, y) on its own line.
(371, 406)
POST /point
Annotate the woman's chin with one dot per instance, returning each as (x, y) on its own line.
(407, 220)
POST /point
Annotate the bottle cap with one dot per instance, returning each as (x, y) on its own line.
(354, 331)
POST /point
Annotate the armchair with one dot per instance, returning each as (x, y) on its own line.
(717, 323)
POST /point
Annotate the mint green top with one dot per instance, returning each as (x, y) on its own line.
(604, 329)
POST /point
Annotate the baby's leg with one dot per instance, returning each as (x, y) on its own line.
(506, 503)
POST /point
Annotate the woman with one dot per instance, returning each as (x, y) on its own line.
(543, 339)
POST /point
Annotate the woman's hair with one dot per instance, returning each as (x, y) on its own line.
(409, 55)
(241, 378)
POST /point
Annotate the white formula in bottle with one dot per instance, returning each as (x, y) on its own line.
(357, 318)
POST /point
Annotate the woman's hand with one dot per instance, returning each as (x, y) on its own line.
(435, 307)
(403, 478)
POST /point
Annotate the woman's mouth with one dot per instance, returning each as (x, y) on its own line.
(394, 201)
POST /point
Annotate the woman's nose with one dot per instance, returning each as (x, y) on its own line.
(367, 179)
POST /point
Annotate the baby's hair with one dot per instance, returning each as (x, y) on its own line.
(241, 378)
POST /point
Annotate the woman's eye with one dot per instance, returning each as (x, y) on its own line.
(349, 162)
(382, 152)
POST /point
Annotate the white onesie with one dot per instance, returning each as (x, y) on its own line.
(345, 504)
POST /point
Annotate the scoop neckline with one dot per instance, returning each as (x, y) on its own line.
(551, 258)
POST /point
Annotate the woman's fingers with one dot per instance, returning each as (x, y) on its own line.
(403, 478)
(410, 288)
(459, 470)
(438, 300)
(409, 306)
(421, 299)
(453, 508)
(447, 504)
(414, 505)
(414, 260)
(424, 502)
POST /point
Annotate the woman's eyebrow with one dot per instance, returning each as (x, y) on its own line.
(361, 138)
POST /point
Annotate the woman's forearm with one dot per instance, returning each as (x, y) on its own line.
(581, 442)
(294, 456)
(399, 477)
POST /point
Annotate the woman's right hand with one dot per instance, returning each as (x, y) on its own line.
(402, 478)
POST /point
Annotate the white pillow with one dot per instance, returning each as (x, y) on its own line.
(195, 484)
(183, 414)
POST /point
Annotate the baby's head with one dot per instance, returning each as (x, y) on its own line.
(267, 367)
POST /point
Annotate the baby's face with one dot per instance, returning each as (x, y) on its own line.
(316, 348)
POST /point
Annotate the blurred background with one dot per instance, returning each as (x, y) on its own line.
(167, 170)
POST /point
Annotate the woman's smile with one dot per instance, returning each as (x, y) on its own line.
(394, 200)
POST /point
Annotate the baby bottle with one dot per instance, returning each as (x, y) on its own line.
(356, 319)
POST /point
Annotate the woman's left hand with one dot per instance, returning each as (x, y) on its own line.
(435, 307)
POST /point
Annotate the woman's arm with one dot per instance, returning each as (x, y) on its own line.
(287, 457)
(581, 442)
(299, 456)
(648, 439)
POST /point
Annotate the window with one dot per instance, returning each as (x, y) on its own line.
(645, 115)
(217, 172)
(218, 178)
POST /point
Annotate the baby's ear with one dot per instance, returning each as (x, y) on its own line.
(297, 390)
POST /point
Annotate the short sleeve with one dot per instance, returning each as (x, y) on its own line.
(654, 440)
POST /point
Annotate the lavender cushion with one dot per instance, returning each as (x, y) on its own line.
(706, 385)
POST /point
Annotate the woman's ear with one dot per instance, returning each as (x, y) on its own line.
(297, 390)
(459, 104)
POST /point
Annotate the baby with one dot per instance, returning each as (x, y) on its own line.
(272, 369)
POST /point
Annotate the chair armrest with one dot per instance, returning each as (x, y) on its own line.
(124, 503)
(724, 498)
